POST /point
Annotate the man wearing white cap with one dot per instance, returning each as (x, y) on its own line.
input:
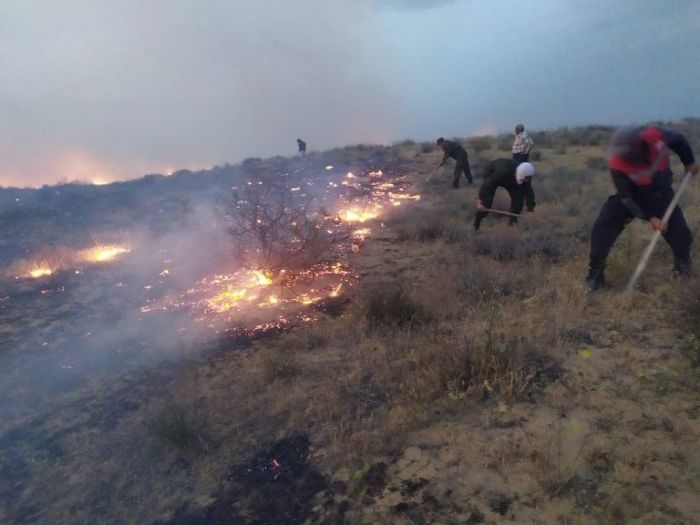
(515, 178)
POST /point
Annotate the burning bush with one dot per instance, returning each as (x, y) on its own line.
(273, 227)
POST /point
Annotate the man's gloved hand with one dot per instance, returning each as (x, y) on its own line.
(692, 169)
(657, 224)
(480, 205)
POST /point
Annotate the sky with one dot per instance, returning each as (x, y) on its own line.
(98, 90)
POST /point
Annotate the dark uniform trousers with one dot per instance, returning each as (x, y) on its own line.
(521, 157)
(615, 215)
(517, 199)
(462, 165)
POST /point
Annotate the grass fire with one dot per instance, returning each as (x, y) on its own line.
(292, 333)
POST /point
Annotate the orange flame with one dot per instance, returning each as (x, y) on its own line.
(358, 215)
(102, 253)
(40, 271)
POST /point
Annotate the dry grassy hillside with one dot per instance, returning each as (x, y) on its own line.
(470, 379)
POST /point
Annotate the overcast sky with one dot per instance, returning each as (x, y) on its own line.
(113, 89)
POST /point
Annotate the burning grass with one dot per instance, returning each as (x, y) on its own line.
(52, 261)
(102, 253)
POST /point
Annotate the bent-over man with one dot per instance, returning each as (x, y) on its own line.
(515, 178)
(455, 150)
(640, 167)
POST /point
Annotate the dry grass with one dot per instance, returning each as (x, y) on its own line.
(181, 427)
(490, 335)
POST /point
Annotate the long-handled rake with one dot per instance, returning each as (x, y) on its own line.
(433, 172)
(655, 238)
(501, 212)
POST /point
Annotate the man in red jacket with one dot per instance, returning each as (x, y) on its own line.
(640, 168)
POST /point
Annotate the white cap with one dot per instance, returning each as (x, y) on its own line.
(525, 169)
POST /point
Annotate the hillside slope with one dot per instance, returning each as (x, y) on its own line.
(469, 379)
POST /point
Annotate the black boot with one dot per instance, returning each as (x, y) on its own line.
(681, 268)
(595, 280)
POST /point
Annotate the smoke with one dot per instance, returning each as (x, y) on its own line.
(95, 322)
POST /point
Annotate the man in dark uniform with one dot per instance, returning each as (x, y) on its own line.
(641, 172)
(302, 147)
(456, 151)
(516, 178)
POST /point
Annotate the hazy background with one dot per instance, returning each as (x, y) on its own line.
(101, 90)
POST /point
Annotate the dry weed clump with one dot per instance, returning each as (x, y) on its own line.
(434, 228)
(481, 143)
(510, 243)
(687, 317)
(687, 311)
(392, 305)
(181, 427)
(482, 282)
(559, 453)
(596, 163)
(427, 147)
